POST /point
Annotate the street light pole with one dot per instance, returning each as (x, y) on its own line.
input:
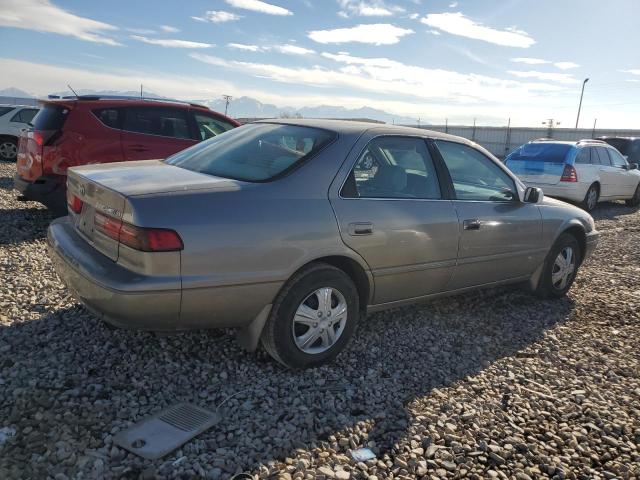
(580, 105)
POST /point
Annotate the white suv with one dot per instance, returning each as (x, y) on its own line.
(13, 119)
(585, 172)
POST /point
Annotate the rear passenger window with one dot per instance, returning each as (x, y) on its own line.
(209, 126)
(108, 116)
(393, 167)
(603, 155)
(617, 160)
(25, 115)
(162, 121)
(584, 156)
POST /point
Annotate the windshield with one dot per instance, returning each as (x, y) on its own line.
(541, 152)
(5, 110)
(255, 153)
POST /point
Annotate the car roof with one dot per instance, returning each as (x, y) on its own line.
(17, 106)
(573, 143)
(613, 137)
(359, 127)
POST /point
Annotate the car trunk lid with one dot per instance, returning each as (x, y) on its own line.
(91, 197)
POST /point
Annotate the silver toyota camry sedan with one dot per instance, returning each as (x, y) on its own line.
(293, 230)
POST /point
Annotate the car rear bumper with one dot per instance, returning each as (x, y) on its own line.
(117, 295)
(572, 191)
(46, 190)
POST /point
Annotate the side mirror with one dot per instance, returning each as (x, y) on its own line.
(633, 166)
(533, 195)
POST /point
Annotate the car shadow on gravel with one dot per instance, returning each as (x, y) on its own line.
(6, 183)
(78, 382)
(23, 224)
(612, 210)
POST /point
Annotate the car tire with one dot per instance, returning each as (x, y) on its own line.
(558, 277)
(8, 149)
(591, 198)
(635, 200)
(297, 316)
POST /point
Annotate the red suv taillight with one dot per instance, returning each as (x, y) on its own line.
(569, 174)
(74, 203)
(138, 238)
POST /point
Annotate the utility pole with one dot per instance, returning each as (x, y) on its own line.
(550, 123)
(446, 125)
(593, 132)
(580, 105)
(227, 99)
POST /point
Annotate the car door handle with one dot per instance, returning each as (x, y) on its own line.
(360, 228)
(471, 224)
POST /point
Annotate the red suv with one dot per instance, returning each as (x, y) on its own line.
(90, 129)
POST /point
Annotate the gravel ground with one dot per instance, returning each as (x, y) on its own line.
(489, 385)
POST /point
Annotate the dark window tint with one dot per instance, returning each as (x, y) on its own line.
(541, 152)
(5, 110)
(617, 160)
(603, 155)
(257, 152)
(165, 122)
(25, 115)
(210, 126)
(475, 176)
(623, 145)
(108, 116)
(394, 167)
(50, 117)
(583, 156)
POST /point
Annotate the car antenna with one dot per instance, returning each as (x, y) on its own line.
(141, 97)
(71, 88)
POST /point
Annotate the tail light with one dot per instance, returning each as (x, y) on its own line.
(569, 174)
(138, 238)
(74, 203)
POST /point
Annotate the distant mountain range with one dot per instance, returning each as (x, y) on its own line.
(247, 107)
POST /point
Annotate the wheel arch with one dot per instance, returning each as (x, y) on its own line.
(578, 232)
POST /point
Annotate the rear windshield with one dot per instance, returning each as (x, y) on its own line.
(50, 117)
(621, 144)
(541, 152)
(5, 110)
(255, 153)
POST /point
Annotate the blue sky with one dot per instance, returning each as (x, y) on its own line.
(432, 59)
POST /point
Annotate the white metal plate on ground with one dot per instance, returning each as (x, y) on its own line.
(165, 431)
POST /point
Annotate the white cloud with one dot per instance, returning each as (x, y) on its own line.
(367, 8)
(293, 49)
(566, 65)
(375, 34)
(453, 4)
(141, 31)
(633, 71)
(386, 78)
(434, 32)
(171, 43)
(242, 46)
(43, 16)
(520, 103)
(530, 61)
(413, 16)
(169, 29)
(540, 61)
(458, 24)
(218, 16)
(259, 6)
(546, 76)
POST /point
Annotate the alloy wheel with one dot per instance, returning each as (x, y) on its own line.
(563, 269)
(8, 150)
(319, 320)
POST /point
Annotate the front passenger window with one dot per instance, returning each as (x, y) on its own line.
(617, 160)
(474, 175)
(393, 167)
